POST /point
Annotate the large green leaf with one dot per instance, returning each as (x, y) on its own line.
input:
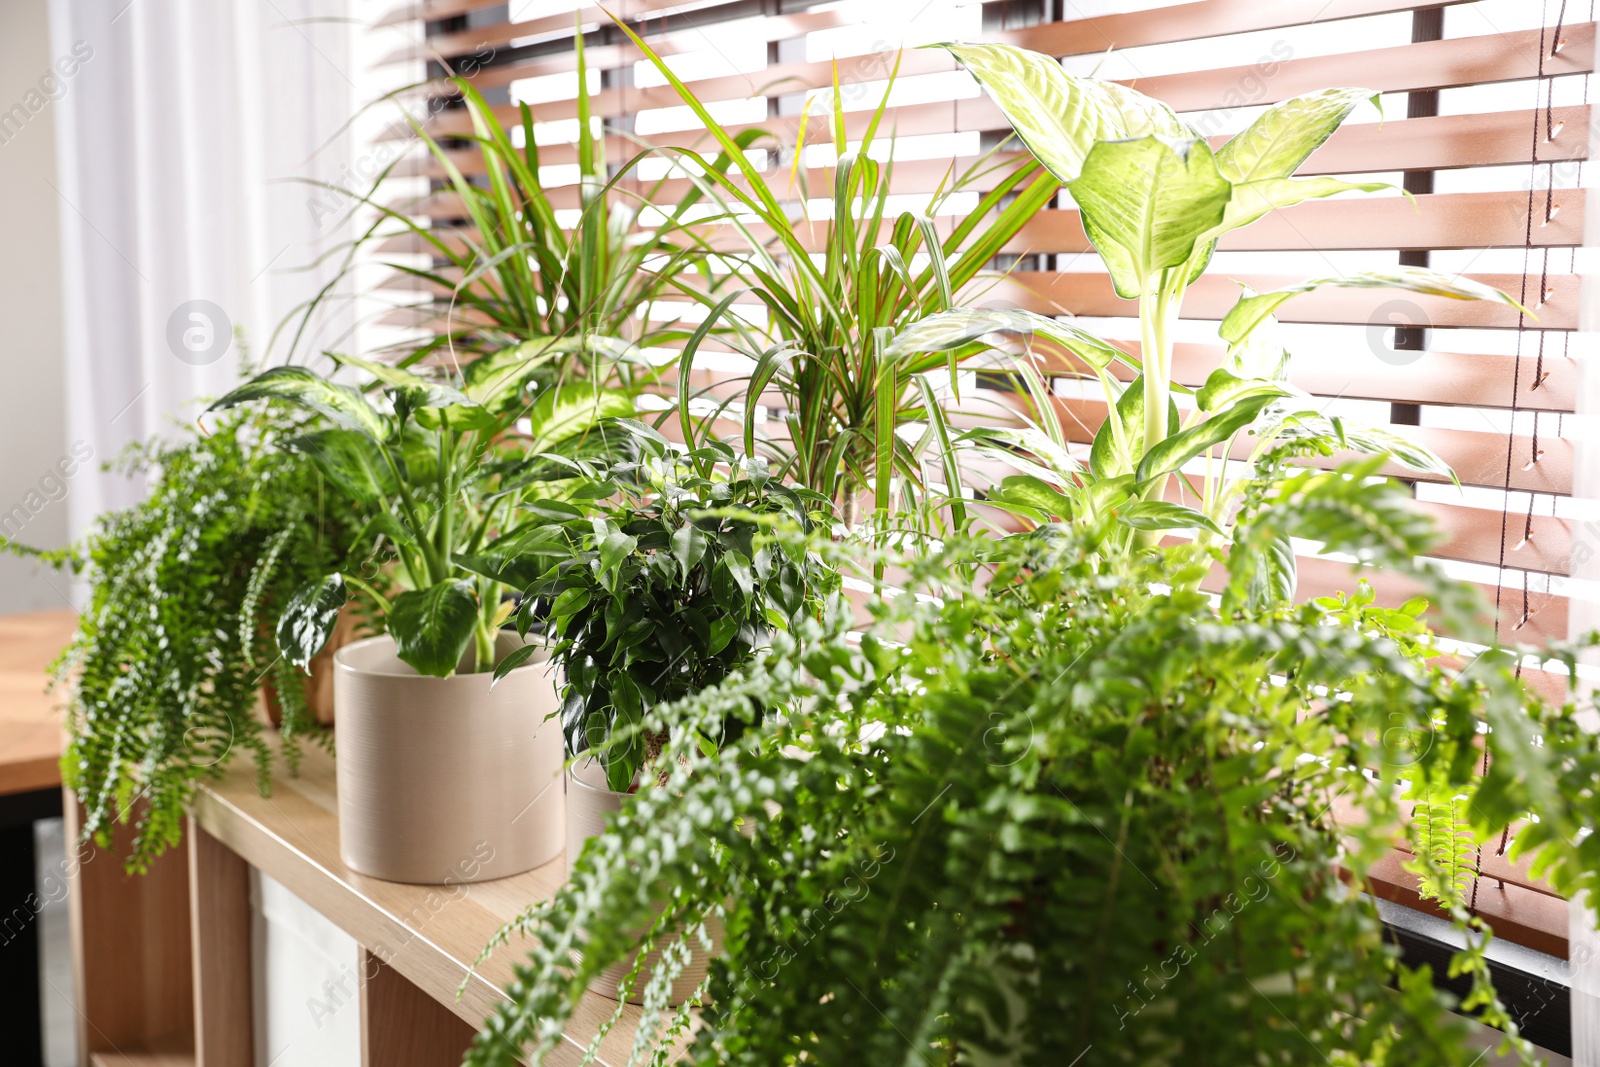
(1162, 515)
(432, 627)
(567, 411)
(1252, 200)
(342, 404)
(1172, 453)
(1030, 493)
(1283, 136)
(1223, 387)
(1146, 202)
(1059, 116)
(352, 461)
(309, 618)
(1253, 309)
(961, 326)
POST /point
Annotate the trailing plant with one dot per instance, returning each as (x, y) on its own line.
(1079, 806)
(1154, 199)
(665, 586)
(860, 422)
(435, 462)
(175, 644)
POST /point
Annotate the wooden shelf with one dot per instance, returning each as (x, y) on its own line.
(428, 935)
(30, 719)
(176, 1050)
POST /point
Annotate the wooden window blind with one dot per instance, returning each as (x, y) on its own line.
(1487, 122)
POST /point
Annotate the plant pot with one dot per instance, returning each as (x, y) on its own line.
(589, 801)
(445, 780)
(319, 678)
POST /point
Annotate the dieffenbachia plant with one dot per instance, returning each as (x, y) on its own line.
(436, 461)
(1154, 199)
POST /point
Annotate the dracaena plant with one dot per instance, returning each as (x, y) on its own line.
(665, 588)
(1074, 813)
(859, 424)
(435, 460)
(509, 267)
(1154, 199)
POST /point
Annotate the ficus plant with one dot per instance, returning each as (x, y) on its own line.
(665, 585)
(1154, 199)
(861, 425)
(434, 460)
(1075, 806)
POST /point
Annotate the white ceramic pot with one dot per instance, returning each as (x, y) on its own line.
(589, 801)
(446, 780)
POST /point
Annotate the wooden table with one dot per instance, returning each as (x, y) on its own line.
(189, 938)
(30, 789)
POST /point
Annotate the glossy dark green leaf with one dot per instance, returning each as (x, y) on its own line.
(433, 627)
(308, 620)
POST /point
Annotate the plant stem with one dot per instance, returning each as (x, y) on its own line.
(1157, 354)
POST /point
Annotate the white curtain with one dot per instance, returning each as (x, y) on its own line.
(187, 130)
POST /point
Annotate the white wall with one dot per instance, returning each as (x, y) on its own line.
(34, 450)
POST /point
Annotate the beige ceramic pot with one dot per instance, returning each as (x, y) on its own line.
(446, 780)
(589, 801)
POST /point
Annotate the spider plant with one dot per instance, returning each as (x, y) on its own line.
(857, 419)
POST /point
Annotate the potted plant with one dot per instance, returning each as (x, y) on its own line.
(1094, 797)
(667, 587)
(863, 426)
(174, 647)
(441, 775)
(1154, 199)
(1077, 806)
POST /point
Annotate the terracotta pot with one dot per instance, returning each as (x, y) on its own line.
(589, 801)
(446, 780)
(319, 680)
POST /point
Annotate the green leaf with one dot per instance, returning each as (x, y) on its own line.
(1029, 492)
(569, 602)
(1059, 116)
(432, 627)
(1223, 387)
(351, 460)
(514, 659)
(1161, 515)
(567, 411)
(1284, 136)
(1180, 448)
(1119, 442)
(723, 627)
(739, 567)
(1252, 200)
(962, 326)
(1252, 310)
(615, 548)
(688, 546)
(342, 404)
(309, 618)
(420, 392)
(1146, 202)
